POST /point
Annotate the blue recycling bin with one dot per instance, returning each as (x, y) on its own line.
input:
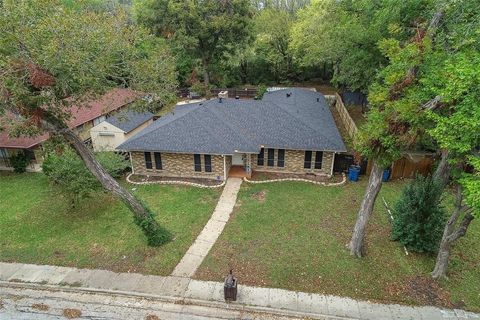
(353, 173)
(386, 175)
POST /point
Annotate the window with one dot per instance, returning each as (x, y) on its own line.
(307, 163)
(281, 158)
(98, 120)
(271, 157)
(198, 162)
(261, 157)
(148, 160)
(158, 161)
(208, 163)
(318, 159)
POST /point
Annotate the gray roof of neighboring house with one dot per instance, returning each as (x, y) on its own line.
(129, 120)
(297, 122)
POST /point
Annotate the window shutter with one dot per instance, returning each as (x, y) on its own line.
(197, 162)
(148, 160)
(208, 163)
(158, 161)
(307, 163)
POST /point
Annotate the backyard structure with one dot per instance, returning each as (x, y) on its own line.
(83, 119)
(114, 130)
(290, 131)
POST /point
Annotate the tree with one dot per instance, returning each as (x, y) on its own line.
(394, 124)
(206, 29)
(53, 56)
(418, 215)
(346, 35)
(271, 44)
(67, 170)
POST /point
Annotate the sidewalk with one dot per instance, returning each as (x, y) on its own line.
(182, 290)
(210, 233)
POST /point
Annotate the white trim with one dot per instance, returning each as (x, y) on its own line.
(333, 162)
(131, 162)
(224, 168)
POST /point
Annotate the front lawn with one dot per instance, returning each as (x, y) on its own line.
(293, 235)
(38, 226)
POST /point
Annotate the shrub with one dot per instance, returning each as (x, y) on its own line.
(419, 218)
(156, 234)
(19, 162)
(66, 169)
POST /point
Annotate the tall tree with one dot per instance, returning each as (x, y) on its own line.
(207, 29)
(54, 55)
(393, 123)
(346, 33)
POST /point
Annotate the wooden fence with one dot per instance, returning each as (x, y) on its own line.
(345, 117)
(409, 165)
(246, 93)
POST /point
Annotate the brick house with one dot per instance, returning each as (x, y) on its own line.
(290, 130)
(83, 119)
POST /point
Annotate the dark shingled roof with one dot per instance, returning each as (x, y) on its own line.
(129, 120)
(298, 122)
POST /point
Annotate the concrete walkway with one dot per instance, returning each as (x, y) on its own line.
(185, 291)
(198, 251)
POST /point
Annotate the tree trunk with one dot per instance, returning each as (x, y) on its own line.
(366, 208)
(442, 173)
(103, 176)
(206, 76)
(451, 235)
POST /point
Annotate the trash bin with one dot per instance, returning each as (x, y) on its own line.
(386, 175)
(353, 173)
(230, 287)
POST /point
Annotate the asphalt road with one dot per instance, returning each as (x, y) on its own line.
(22, 302)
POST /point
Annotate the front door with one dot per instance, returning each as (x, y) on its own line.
(237, 159)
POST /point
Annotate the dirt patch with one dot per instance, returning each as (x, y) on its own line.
(40, 306)
(260, 195)
(207, 182)
(152, 317)
(72, 313)
(423, 290)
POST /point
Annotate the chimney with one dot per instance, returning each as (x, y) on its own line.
(222, 95)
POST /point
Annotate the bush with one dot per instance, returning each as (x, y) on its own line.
(19, 162)
(419, 218)
(156, 234)
(68, 170)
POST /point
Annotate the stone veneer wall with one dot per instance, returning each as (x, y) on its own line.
(177, 165)
(294, 160)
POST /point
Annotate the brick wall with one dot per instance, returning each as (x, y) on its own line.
(294, 161)
(177, 165)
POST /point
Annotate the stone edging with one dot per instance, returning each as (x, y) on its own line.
(185, 183)
(301, 180)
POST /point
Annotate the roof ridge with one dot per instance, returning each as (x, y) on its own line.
(158, 124)
(233, 128)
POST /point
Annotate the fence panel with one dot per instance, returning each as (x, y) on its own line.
(347, 120)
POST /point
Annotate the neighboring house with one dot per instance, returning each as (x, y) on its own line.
(83, 119)
(109, 134)
(290, 131)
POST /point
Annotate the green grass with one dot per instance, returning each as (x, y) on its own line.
(293, 236)
(38, 226)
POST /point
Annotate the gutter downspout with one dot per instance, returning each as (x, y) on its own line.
(224, 168)
(333, 162)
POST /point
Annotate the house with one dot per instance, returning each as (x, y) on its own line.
(109, 134)
(83, 119)
(290, 131)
